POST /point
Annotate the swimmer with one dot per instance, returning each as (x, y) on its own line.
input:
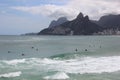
(9, 51)
(86, 50)
(32, 47)
(23, 54)
(76, 49)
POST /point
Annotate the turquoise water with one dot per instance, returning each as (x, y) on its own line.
(59, 57)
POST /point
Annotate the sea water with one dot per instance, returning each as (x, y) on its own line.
(59, 57)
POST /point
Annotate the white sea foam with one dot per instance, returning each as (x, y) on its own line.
(14, 62)
(50, 61)
(87, 65)
(79, 65)
(57, 76)
(12, 74)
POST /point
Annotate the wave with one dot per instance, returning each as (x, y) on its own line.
(57, 76)
(79, 65)
(85, 65)
(70, 55)
(14, 62)
(12, 74)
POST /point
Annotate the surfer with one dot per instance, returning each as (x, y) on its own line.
(9, 51)
(32, 47)
(23, 54)
(76, 49)
(86, 50)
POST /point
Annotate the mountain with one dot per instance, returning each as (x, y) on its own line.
(79, 26)
(110, 21)
(58, 22)
(29, 34)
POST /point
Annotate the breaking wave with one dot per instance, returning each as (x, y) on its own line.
(78, 65)
(14, 62)
(57, 76)
(12, 74)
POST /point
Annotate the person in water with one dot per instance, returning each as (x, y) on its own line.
(76, 49)
(23, 54)
(32, 47)
(9, 51)
(86, 50)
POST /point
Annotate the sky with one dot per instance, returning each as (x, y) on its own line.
(25, 16)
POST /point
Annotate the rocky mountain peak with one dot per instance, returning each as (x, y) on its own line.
(62, 19)
(79, 26)
(86, 18)
(58, 22)
(80, 16)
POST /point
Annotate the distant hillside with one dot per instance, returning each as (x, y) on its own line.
(106, 25)
(79, 26)
(110, 21)
(58, 22)
(29, 34)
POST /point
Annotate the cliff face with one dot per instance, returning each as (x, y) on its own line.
(83, 26)
(58, 22)
(110, 21)
(79, 26)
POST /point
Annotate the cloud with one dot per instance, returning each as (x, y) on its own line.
(96, 8)
(54, 11)
(44, 10)
(93, 8)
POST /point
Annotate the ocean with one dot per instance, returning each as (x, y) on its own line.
(59, 57)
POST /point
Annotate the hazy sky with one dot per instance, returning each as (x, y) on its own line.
(22, 16)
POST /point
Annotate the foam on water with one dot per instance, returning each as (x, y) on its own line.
(12, 74)
(14, 62)
(73, 66)
(57, 76)
(86, 65)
